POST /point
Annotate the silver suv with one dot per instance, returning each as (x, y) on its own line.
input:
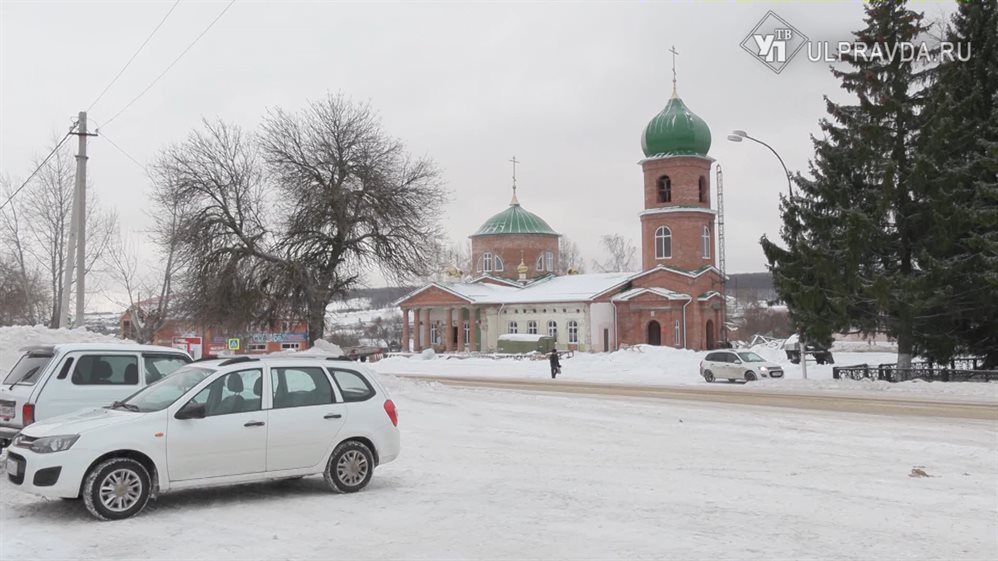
(737, 365)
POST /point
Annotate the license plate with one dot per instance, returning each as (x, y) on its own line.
(7, 411)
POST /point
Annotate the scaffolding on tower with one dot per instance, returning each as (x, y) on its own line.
(720, 254)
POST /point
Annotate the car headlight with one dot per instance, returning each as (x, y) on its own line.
(763, 369)
(51, 444)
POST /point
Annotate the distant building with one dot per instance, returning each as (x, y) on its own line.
(673, 300)
(202, 341)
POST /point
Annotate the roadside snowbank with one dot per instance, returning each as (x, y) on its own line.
(666, 366)
(13, 338)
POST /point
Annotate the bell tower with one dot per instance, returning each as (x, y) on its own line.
(677, 223)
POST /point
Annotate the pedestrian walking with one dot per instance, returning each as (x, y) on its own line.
(555, 365)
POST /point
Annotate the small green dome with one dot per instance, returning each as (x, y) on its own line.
(676, 131)
(514, 220)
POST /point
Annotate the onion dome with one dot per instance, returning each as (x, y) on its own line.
(676, 131)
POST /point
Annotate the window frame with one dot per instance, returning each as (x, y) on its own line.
(139, 379)
(705, 242)
(664, 189)
(702, 185)
(532, 327)
(549, 261)
(274, 371)
(539, 265)
(553, 329)
(663, 233)
(265, 402)
(573, 332)
(512, 327)
(372, 393)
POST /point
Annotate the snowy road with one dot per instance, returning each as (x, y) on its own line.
(739, 394)
(492, 474)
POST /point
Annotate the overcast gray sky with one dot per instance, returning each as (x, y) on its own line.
(567, 88)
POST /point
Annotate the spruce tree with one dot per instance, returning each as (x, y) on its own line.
(957, 166)
(850, 233)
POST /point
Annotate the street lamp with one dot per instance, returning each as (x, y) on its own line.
(738, 136)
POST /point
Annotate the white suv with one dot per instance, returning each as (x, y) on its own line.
(214, 423)
(52, 380)
(737, 365)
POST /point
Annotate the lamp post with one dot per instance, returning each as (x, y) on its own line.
(738, 136)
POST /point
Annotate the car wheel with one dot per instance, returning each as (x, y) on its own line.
(350, 467)
(750, 376)
(117, 488)
(708, 376)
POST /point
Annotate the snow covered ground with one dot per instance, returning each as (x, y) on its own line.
(488, 474)
(665, 366)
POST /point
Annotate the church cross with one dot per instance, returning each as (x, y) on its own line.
(514, 162)
(674, 53)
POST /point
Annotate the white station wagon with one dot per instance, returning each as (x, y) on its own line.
(214, 423)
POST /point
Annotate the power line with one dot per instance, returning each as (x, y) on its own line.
(52, 153)
(139, 50)
(120, 149)
(181, 55)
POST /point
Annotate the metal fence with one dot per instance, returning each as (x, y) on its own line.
(958, 371)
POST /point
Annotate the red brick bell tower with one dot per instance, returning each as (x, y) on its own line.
(677, 223)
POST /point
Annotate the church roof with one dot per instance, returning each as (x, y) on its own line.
(515, 220)
(676, 131)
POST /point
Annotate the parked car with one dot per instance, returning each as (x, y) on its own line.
(214, 423)
(821, 354)
(737, 365)
(53, 380)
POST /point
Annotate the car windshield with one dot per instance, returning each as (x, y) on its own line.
(160, 394)
(751, 357)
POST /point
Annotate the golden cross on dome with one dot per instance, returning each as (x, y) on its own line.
(514, 201)
(674, 53)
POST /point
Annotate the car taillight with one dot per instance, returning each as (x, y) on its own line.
(392, 413)
(27, 414)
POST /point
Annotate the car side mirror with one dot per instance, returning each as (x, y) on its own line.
(191, 411)
(737, 361)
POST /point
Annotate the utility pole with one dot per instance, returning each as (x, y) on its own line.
(77, 233)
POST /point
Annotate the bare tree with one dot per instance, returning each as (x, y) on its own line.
(280, 224)
(447, 261)
(621, 254)
(22, 293)
(38, 224)
(570, 258)
(386, 330)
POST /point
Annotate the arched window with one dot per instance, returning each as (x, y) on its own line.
(532, 327)
(705, 238)
(664, 189)
(540, 262)
(573, 331)
(513, 328)
(487, 262)
(553, 329)
(498, 263)
(703, 189)
(663, 243)
(549, 259)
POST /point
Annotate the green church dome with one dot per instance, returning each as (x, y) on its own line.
(514, 220)
(676, 131)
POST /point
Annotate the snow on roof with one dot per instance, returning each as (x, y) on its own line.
(667, 294)
(530, 338)
(568, 288)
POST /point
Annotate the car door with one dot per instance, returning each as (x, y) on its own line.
(92, 380)
(231, 439)
(305, 417)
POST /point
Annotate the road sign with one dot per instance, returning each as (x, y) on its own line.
(234, 344)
